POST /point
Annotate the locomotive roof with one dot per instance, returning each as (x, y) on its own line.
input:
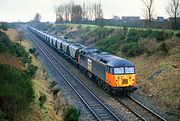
(77, 45)
(106, 58)
(95, 54)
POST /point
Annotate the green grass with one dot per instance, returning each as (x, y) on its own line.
(116, 27)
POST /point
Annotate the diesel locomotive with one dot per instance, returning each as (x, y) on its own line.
(113, 73)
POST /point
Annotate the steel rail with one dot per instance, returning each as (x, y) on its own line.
(75, 90)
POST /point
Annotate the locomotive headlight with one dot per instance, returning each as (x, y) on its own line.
(133, 77)
(116, 82)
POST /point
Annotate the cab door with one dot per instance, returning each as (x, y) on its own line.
(110, 77)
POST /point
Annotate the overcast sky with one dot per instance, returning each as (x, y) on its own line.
(24, 10)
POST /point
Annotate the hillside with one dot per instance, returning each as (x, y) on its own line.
(154, 52)
(23, 82)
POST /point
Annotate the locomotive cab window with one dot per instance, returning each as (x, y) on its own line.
(118, 70)
(109, 69)
(129, 70)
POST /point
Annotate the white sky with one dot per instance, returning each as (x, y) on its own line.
(24, 10)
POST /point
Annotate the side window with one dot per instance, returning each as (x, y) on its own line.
(111, 70)
(107, 69)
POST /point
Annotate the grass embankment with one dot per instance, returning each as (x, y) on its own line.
(47, 104)
(156, 56)
(154, 52)
(23, 95)
(16, 72)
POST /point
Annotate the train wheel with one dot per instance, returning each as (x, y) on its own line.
(89, 75)
(99, 83)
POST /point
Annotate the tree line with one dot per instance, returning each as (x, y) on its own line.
(92, 13)
(72, 12)
(173, 10)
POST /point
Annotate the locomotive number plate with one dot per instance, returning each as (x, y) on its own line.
(125, 81)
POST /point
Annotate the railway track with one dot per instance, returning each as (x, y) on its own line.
(139, 109)
(95, 105)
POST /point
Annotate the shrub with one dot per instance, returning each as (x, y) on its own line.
(72, 114)
(111, 44)
(162, 35)
(162, 47)
(16, 91)
(31, 70)
(131, 49)
(2, 115)
(42, 99)
(32, 51)
(3, 26)
(148, 45)
(3, 48)
(13, 48)
(133, 36)
(4, 39)
(177, 34)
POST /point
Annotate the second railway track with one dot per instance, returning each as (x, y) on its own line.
(139, 109)
(95, 105)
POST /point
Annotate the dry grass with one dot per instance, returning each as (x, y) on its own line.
(40, 85)
(11, 60)
(13, 35)
(165, 88)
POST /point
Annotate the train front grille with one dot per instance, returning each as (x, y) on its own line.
(124, 81)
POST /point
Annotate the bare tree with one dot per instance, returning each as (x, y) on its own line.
(99, 14)
(84, 12)
(72, 12)
(37, 17)
(90, 11)
(148, 11)
(59, 13)
(76, 15)
(173, 10)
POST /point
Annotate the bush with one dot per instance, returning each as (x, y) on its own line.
(16, 49)
(20, 52)
(177, 34)
(4, 39)
(131, 49)
(16, 91)
(42, 99)
(3, 26)
(3, 48)
(148, 45)
(162, 35)
(72, 114)
(162, 47)
(2, 115)
(32, 51)
(31, 71)
(111, 44)
(133, 36)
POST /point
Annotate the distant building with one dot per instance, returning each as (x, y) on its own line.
(116, 18)
(160, 19)
(130, 18)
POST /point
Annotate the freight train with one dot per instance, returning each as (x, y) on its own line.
(112, 73)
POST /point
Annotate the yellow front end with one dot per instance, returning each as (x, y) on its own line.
(125, 80)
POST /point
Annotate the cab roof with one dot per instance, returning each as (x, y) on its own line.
(105, 58)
